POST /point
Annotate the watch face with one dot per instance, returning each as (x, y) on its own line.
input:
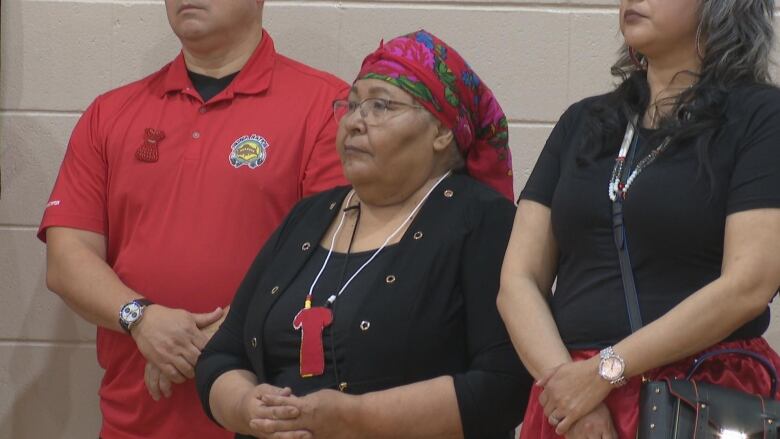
(611, 368)
(131, 312)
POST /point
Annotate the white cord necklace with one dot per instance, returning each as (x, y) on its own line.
(311, 321)
(333, 297)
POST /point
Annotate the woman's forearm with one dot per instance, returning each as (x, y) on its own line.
(531, 327)
(428, 409)
(527, 277)
(225, 399)
(702, 320)
(749, 279)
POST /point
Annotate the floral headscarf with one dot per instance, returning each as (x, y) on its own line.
(442, 82)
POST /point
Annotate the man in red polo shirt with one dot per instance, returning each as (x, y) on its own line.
(169, 187)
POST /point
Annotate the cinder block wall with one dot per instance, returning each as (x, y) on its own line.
(57, 55)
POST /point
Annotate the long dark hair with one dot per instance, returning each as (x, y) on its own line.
(734, 40)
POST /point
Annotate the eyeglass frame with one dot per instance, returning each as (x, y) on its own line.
(364, 112)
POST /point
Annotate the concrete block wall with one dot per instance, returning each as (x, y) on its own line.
(57, 55)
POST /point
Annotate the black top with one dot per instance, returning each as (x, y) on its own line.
(282, 343)
(674, 220)
(208, 86)
(432, 309)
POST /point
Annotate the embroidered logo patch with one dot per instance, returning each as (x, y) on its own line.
(248, 150)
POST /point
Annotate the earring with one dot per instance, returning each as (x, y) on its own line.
(698, 42)
(640, 64)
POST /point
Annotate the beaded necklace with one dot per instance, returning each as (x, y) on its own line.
(616, 186)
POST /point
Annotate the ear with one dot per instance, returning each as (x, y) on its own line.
(444, 138)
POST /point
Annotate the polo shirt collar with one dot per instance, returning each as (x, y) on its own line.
(255, 77)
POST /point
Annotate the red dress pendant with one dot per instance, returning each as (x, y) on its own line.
(149, 152)
(311, 322)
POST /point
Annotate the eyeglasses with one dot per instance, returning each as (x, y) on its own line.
(374, 111)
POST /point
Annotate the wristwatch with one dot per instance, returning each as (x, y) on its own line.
(131, 312)
(612, 367)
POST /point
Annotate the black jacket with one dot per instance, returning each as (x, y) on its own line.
(437, 317)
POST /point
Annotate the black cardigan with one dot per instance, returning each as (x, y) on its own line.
(437, 317)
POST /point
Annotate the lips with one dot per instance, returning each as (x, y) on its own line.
(187, 7)
(354, 149)
(631, 14)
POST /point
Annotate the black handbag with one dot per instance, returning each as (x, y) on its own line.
(685, 408)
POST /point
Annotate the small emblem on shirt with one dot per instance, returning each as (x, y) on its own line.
(53, 203)
(248, 150)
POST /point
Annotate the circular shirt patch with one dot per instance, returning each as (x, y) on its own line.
(248, 150)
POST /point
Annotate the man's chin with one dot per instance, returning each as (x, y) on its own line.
(192, 30)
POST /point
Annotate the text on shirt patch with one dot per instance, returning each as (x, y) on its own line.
(248, 150)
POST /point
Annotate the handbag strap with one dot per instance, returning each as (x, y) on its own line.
(626, 271)
(770, 368)
(621, 243)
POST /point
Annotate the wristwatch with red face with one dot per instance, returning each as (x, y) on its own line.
(612, 367)
(131, 313)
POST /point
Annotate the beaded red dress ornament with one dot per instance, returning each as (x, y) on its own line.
(149, 152)
(311, 322)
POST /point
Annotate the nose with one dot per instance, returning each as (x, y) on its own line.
(354, 122)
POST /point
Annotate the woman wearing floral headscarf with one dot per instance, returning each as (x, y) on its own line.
(371, 311)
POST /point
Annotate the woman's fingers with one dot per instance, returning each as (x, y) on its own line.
(275, 413)
(566, 422)
(271, 426)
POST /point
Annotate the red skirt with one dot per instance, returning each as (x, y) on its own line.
(734, 371)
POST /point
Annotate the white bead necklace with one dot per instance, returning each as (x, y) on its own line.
(616, 187)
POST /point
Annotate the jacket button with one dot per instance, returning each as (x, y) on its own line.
(364, 325)
(253, 342)
(449, 193)
(418, 235)
(275, 290)
(343, 386)
(390, 279)
(306, 246)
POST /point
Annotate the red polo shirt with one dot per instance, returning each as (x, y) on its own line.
(183, 230)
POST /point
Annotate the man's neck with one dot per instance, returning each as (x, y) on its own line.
(225, 58)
